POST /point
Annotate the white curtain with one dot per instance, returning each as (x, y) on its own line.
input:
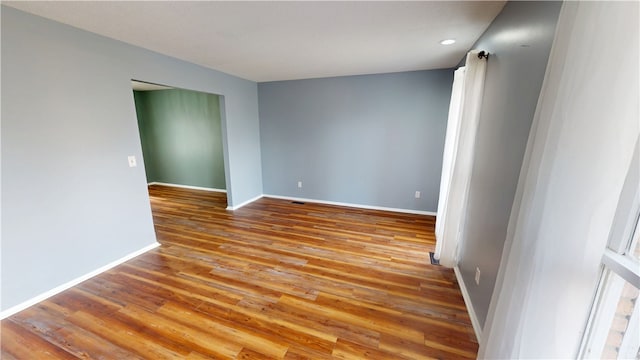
(451, 137)
(579, 151)
(462, 125)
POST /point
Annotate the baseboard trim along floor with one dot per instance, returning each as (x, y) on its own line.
(58, 289)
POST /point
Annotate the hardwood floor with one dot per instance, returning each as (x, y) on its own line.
(270, 280)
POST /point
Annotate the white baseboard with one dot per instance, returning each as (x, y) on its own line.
(188, 187)
(245, 203)
(58, 289)
(337, 203)
(369, 207)
(467, 300)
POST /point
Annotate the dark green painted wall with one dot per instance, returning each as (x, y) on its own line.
(181, 137)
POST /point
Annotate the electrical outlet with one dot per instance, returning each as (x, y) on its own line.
(477, 276)
(299, 184)
(132, 161)
(417, 194)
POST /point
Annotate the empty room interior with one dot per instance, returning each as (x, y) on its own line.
(320, 180)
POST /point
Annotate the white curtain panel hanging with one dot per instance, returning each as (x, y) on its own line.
(462, 125)
(450, 145)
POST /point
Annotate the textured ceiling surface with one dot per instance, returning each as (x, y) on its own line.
(268, 40)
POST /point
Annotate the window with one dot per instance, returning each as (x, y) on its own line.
(613, 329)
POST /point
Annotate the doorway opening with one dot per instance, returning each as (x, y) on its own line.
(182, 137)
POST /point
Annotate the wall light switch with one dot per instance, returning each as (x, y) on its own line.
(417, 194)
(477, 276)
(299, 184)
(132, 161)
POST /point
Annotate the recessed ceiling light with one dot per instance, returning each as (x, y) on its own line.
(447, 42)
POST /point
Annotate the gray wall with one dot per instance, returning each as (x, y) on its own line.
(513, 81)
(369, 140)
(181, 137)
(70, 203)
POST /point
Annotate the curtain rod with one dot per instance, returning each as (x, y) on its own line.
(483, 54)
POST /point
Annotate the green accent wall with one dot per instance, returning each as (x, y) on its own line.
(181, 137)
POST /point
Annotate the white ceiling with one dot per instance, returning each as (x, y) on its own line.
(268, 40)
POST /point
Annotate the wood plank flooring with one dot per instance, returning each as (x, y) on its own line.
(272, 280)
